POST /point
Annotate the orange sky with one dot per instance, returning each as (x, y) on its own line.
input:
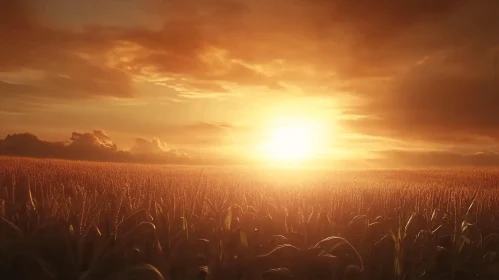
(402, 80)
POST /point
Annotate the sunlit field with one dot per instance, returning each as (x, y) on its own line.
(80, 220)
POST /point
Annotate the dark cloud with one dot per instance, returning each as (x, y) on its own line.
(447, 90)
(449, 98)
(26, 144)
(95, 146)
(70, 63)
(208, 41)
(351, 38)
(96, 61)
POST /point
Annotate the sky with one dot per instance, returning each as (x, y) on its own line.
(413, 81)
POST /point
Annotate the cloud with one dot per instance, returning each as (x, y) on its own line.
(157, 151)
(72, 65)
(96, 61)
(94, 146)
(26, 144)
(143, 146)
(221, 41)
(217, 40)
(337, 41)
(96, 139)
(445, 99)
(442, 89)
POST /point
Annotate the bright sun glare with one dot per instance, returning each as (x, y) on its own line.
(292, 141)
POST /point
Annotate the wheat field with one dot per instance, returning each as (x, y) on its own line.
(82, 220)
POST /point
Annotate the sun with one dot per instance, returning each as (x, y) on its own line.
(291, 141)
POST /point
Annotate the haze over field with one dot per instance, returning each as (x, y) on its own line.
(366, 83)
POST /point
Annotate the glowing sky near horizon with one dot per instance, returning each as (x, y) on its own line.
(393, 80)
